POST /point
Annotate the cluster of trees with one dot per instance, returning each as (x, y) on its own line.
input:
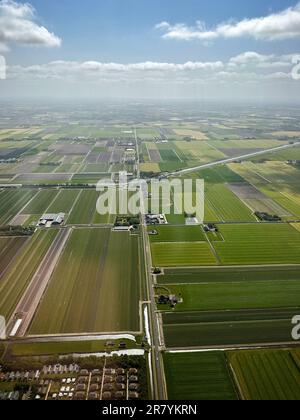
(50, 164)
(127, 221)
(16, 230)
(267, 217)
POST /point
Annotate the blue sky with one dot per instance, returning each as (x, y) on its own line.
(123, 30)
(126, 32)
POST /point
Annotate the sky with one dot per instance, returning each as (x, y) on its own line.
(172, 49)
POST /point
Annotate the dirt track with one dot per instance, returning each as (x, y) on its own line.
(31, 298)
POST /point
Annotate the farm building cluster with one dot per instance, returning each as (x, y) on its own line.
(49, 220)
(156, 219)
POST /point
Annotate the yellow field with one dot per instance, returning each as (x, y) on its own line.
(290, 134)
(16, 132)
(149, 167)
(296, 226)
(198, 135)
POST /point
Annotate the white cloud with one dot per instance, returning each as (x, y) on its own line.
(248, 67)
(276, 26)
(18, 26)
(262, 61)
(95, 69)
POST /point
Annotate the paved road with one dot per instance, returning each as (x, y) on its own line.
(158, 366)
(28, 304)
(230, 160)
(158, 377)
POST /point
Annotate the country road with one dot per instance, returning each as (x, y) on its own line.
(158, 376)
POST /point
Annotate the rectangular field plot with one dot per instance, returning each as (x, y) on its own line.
(177, 234)
(225, 328)
(227, 274)
(256, 200)
(198, 376)
(17, 278)
(182, 254)
(84, 209)
(41, 202)
(11, 202)
(64, 201)
(266, 374)
(253, 295)
(95, 287)
(226, 205)
(42, 178)
(9, 247)
(258, 244)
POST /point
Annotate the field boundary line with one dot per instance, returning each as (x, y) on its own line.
(24, 207)
(54, 199)
(235, 381)
(74, 204)
(213, 249)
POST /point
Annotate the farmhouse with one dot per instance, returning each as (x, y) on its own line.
(49, 220)
(210, 227)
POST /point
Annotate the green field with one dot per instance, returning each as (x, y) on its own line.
(16, 279)
(198, 376)
(266, 374)
(239, 295)
(12, 202)
(100, 288)
(228, 274)
(84, 209)
(177, 234)
(64, 201)
(226, 204)
(63, 347)
(226, 333)
(182, 254)
(258, 244)
(41, 202)
(9, 247)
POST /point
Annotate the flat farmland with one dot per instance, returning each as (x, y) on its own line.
(278, 172)
(11, 202)
(182, 254)
(41, 202)
(84, 209)
(198, 135)
(9, 247)
(266, 374)
(197, 153)
(42, 178)
(198, 376)
(100, 288)
(16, 279)
(285, 196)
(227, 332)
(177, 234)
(226, 204)
(64, 201)
(228, 274)
(252, 295)
(258, 244)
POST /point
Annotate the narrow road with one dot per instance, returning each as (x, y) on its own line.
(158, 378)
(28, 304)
